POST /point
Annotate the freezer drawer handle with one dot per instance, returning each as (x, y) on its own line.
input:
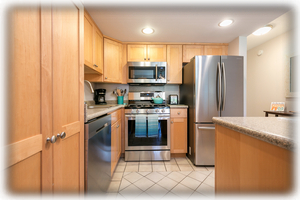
(206, 128)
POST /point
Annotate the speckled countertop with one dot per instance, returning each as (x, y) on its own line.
(96, 112)
(178, 106)
(278, 131)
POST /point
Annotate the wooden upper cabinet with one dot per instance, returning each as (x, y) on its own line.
(93, 47)
(189, 51)
(152, 53)
(112, 61)
(174, 60)
(215, 50)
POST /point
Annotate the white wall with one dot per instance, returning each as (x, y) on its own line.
(267, 75)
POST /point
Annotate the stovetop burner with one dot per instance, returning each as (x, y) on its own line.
(147, 106)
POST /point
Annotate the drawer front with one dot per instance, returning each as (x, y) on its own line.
(182, 113)
(115, 116)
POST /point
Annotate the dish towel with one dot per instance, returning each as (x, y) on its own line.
(153, 125)
(140, 126)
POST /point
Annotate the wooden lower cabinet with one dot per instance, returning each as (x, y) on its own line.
(244, 164)
(178, 131)
(46, 71)
(116, 138)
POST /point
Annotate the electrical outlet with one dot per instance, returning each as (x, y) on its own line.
(190, 150)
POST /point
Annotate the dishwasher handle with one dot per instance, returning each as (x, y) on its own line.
(100, 129)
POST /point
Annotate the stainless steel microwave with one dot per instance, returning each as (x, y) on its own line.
(147, 72)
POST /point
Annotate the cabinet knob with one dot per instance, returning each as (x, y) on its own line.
(178, 113)
(62, 135)
(168, 79)
(95, 65)
(172, 122)
(118, 126)
(105, 77)
(144, 58)
(52, 139)
(148, 58)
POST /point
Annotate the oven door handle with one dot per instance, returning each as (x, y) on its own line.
(160, 117)
(155, 72)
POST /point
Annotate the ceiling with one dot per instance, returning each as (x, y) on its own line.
(180, 22)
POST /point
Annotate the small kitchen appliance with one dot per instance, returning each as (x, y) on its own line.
(147, 127)
(99, 96)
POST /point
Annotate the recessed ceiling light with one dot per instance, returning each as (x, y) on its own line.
(263, 30)
(226, 22)
(147, 30)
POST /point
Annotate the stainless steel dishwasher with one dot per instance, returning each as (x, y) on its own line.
(97, 154)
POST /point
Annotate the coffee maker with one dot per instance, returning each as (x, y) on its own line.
(99, 96)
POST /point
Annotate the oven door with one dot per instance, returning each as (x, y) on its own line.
(147, 72)
(162, 142)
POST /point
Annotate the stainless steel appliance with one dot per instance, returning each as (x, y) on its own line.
(147, 147)
(99, 96)
(147, 72)
(212, 86)
(98, 154)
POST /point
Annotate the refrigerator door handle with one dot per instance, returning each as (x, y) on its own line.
(218, 87)
(224, 91)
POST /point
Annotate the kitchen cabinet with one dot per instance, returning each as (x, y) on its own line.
(150, 53)
(178, 131)
(189, 51)
(46, 71)
(215, 50)
(174, 60)
(112, 61)
(116, 132)
(93, 46)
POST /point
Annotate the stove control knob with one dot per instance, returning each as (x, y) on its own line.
(156, 110)
(137, 111)
(163, 110)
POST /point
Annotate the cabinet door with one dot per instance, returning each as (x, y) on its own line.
(215, 50)
(137, 53)
(98, 51)
(178, 135)
(174, 60)
(67, 55)
(189, 51)
(112, 65)
(157, 53)
(88, 42)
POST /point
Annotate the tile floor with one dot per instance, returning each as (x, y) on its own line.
(177, 178)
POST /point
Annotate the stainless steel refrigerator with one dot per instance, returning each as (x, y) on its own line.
(212, 86)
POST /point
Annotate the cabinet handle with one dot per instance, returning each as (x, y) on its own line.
(62, 135)
(52, 139)
(95, 65)
(178, 113)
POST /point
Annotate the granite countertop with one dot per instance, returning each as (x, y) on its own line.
(96, 112)
(278, 131)
(178, 106)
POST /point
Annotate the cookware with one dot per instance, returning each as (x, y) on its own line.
(157, 100)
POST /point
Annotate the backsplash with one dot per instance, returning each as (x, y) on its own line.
(110, 87)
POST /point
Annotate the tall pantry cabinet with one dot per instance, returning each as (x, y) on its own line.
(46, 100)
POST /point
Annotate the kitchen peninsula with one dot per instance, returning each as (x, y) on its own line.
(254, 154)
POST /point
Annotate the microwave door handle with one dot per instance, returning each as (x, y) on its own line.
(155, 72)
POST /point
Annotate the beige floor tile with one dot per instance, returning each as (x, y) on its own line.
(144, 183)
(176, 176)
(172, 161)
(210, 168)
(197, 176)
(206, 190)
(120, 168)
(156, 191)
(145, 163)
(117, 176)
(133, 177)
(126, 173)
(131, 192)
(167, 183)
(182, 191)
(158, 163)
(210, 181)
(155, 176)
(196, 196)
(205, 172)
(185, 168)
(145, 168)
(144, 173)
(185, 172)
(190, 183)
(172, 168)
(172, 196)
(132, 163)
(114, 187)
(212, 174)
(164, 173)
(199, 168)
(132, 168)
(182, 161)
(124, 184)
(144, 196)
(158, 168)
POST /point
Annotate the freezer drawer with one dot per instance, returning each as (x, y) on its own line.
(204, 144)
